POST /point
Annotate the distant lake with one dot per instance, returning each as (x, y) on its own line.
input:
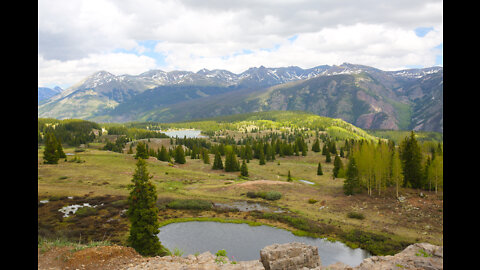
(189, 133)
(244, 242)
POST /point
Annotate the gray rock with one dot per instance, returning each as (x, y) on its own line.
(289, 256)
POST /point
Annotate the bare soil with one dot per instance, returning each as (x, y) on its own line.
(105, 257)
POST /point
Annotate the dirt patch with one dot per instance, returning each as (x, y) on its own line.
(105, 257)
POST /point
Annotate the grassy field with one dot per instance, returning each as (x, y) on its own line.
(105, 174)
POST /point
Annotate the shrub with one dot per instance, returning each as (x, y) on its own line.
(273, 195)
(221, 256)
(221, 252)
(356, 215)
(86, 211)
(267, 195)
(374, 243)
(312, 201)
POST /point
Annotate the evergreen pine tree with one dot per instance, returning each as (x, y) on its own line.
(328, 158)
(324, 149)
(261, 157)
(411, 157)
(271, 153)
(337, 166)
(289, 177)
(304, 151)
(142, 213)
(332, 147)
(60, 152)
(163, 154)
(316, 146)
(296, 147)
(50, 154)
(217, 162)
(179, 155)
(352, 181)
(319, 169)
(231, 163)
(244, 169)
(248, 152)
(268, 155)
(141, 151)
(205, 157)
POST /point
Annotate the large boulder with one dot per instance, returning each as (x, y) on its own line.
(290, 256)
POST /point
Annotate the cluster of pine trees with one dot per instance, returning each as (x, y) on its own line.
(118, 145)
(134, 133)
(375, 166)
(71, 131)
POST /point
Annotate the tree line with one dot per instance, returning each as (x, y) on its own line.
(372, 167)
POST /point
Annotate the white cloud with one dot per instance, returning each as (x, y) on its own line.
(213, 34)
(66, 73)
(368, 44)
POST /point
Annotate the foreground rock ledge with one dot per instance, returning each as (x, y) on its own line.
(301, 256)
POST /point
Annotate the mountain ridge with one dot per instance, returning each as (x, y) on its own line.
(363, 95)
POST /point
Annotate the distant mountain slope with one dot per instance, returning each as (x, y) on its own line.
(365, 96)
(44, 93)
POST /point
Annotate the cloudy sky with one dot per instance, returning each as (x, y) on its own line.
(79, 37)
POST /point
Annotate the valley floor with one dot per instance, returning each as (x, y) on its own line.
(103, 178)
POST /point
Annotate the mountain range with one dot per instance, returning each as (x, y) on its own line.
(365, 96)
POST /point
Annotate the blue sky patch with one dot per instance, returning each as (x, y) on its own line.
(422, 31)
(292, 39)
(149, 46)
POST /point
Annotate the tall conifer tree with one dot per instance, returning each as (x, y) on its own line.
(319, 169)
(411, 156)
(244, 169)
(142, 213)
(217, 162)
(352, 181)
(179, 155)
(141, 151)
(50, 153)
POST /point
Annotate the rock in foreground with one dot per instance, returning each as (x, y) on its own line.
(289, 256)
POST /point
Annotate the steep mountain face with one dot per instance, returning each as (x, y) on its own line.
(364, 96)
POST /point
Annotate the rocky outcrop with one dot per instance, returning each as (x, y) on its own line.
(416, 256)
(299, 256)
(204, 261)
(289, 256)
